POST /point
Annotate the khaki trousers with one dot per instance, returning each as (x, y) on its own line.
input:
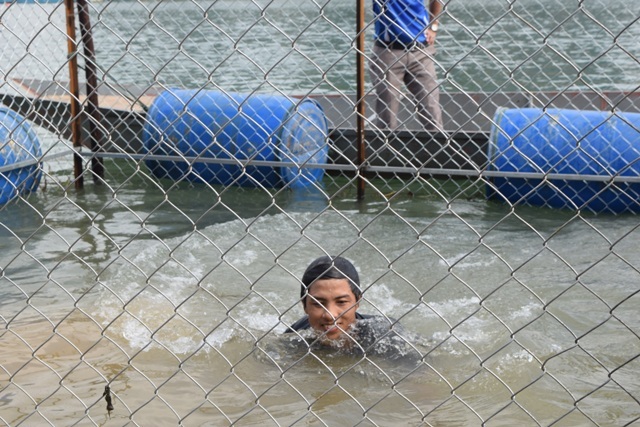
(415, 69)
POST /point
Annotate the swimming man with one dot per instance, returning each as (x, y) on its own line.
(330, 295)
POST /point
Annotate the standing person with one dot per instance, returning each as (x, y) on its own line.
(403, 52)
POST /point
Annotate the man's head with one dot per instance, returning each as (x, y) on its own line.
(330, 295)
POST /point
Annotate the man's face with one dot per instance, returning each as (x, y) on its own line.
(331, 307)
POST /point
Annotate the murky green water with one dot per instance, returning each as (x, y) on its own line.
(186, 296)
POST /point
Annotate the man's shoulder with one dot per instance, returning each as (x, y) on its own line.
(299, 325)
(377, 319)
(303, 323)
(360, 316)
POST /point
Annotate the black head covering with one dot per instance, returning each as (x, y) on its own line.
(327, 267)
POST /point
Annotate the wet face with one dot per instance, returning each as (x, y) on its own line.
(331, 307)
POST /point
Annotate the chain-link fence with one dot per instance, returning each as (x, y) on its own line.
(169, 169)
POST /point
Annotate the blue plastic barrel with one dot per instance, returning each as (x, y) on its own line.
(588, 148)
(19, 144)
(236, 127)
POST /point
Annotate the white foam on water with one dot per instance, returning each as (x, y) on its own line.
(226, 283)
(381, 295)
(525, 312)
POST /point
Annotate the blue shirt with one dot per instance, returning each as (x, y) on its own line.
(401, 21)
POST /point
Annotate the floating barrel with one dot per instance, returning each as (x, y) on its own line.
(235, 128)
(19, 151)
(596, 153)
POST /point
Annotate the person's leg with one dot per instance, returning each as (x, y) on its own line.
(421, 80)
(387, 71)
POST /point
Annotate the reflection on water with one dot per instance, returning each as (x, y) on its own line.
(484, 46)
(302, 47)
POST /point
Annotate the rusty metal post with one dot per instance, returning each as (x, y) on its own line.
(360, 106)
(92, 107)
(76, 119)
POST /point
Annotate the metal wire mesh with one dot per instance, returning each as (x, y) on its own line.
(502, 251)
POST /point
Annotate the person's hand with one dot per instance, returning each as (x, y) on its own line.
(431, 36)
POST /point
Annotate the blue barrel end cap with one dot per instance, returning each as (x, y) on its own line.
(304, 142)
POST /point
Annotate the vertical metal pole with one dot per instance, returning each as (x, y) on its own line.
(92, 107)
(360, 106)
(76, 119)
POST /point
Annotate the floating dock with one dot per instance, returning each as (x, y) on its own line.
(123, 111)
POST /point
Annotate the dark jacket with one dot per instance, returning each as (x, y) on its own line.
(375, 334)
(303, 323)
